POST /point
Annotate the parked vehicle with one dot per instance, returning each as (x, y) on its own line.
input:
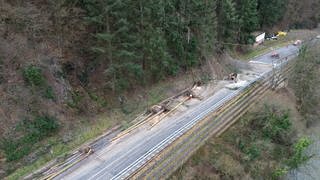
(282, 33)
(271, 37)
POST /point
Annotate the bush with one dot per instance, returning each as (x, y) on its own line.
(43, 125)
(33, 76)
(49, 94)
(34, 131)
(102, 102)
(299, 156)
(280, 172)
(273, 122)
(276, 125)
(253, 152)
(14, 149)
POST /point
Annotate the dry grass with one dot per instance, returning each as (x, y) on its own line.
(31, 37)
(87, 129)
(223, 157)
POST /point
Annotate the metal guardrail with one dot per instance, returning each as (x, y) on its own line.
(199, 135)
(242, 96)
(224, 121)
(136, 167)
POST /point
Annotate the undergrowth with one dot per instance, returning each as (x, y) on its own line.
(25, 135)
(34, 77)
(261, 146)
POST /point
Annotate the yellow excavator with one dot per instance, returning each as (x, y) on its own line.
(282, 34)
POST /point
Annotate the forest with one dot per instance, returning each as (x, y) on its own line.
(149, 41)
(70, 69)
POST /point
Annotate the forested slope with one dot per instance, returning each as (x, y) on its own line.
(67, 60)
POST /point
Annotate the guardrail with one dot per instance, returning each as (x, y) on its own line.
(172, 152)
(163, 159)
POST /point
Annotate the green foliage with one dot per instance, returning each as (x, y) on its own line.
(264, 133)
(276, 125)
(13, 149)
(299, 156)
(248, 20)
(295, 158)
(228, 21)
(101, 101)
(273, 123)
(280, 172)
(33, 76)
(42, 126)
(253, 152)
(271, 11)
(158, 38)
(49, 94)
(150, 40)
(33, 132)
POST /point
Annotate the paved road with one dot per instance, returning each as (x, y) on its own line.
(107, 162)
(283, 52)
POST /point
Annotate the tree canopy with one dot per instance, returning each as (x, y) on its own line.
(145, 41)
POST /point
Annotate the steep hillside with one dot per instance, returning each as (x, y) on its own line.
(69, 69)
(301, 14)
(53, 94)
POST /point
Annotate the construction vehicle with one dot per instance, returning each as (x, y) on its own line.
(282, 33)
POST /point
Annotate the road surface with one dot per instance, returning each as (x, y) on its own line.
(109, 161)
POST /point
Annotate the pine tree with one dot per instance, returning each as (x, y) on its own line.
(271, 11)
(145, 41)
(228, 21)
(248, 20)
(204, 22)
(116, 44)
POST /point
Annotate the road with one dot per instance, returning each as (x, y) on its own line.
(283, 52)
(109, 161)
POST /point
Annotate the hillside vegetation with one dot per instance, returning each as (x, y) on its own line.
(273, 138)
(69, 69)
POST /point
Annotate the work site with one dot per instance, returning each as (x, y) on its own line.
(112, 89)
